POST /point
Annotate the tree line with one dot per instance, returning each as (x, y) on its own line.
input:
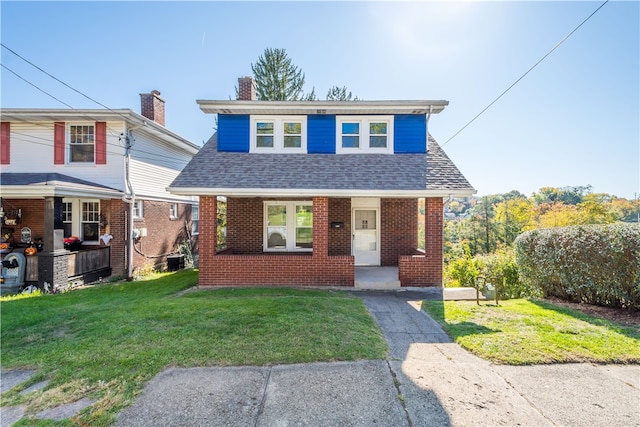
(481, 225)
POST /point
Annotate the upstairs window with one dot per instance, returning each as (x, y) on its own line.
(81, 144)
(173, 211)
(278, 134)
(364, 134)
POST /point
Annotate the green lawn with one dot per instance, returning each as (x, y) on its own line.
(534, 332)
(106, 342)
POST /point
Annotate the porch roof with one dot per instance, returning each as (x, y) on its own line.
(345, 175)
(36, 185)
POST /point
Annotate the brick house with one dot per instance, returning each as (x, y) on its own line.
(319, 193)
(101, 176)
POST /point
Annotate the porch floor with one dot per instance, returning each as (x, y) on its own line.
(383, 278)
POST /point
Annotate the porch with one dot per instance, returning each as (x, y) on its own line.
(83, 266)
(319, 246)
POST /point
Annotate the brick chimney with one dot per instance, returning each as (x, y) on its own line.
(152, 106)
(246, 89)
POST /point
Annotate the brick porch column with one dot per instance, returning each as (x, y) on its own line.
(207, 238)
(321, 227)
(433, 244)
(52, 262)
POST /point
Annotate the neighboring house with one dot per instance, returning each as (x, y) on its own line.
(99, 175)
(316, 188)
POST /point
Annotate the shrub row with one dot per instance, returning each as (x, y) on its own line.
(498, 269)
(596, 264)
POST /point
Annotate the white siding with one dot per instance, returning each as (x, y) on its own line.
(32, 151)
(151, 181)
(155, 163)
(152, 150)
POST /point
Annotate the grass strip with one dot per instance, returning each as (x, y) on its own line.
(521, 331)
(110, 340)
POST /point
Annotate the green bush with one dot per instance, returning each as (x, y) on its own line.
(596, 264)
(462, 272)
(500, 269)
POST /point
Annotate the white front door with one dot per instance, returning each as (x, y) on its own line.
(365, 246)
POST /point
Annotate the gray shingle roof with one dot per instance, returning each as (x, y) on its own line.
(211, 169)
(45, 178)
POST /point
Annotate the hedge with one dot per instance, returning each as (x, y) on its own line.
(596, 264)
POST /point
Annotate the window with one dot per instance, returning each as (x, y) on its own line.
(67, 218)
(81, 144)
(137, 209)
(288, 226)
(81, 217)
(278, 134)
(195, 220)
(90, 221)
(173, 211)
(360, 134)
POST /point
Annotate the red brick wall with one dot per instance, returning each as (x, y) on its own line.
(315, 269)
(244, 225)
(426, 270)
(32, 217)
(399, 229)
(117, 214)
(340, 238)
(164, 234)
(276, 270)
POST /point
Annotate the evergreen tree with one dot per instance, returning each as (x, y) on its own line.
(277, 78)
(340, 94)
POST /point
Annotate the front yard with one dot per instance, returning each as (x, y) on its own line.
(524, 331)
(106, 342)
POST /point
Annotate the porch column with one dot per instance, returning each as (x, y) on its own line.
(207, 238)
(52, 261)
(433, 239)
(321, 227)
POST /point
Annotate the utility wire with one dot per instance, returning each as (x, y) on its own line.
(528, 71)
(55, 78)
(27, 81)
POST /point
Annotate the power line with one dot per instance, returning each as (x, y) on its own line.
(55, 78)
(27, 81)
(528, 71)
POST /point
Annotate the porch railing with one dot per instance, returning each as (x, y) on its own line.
(85, 263)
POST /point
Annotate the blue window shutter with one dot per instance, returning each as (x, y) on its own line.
(321, 134)
(234, 133)
(410, 133)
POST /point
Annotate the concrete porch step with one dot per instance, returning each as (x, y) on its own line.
(380, 278)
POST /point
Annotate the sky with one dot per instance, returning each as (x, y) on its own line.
(572, 120)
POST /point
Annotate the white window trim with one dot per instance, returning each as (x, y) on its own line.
(278, 137)
(364, 134)
(138, 214)
(76, 218)
(291, 225)
(173, 211)
(68, 143)
(195, 232)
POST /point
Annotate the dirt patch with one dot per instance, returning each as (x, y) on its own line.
(624, 316)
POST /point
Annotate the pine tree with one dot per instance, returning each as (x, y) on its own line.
(340, 94)
(276, 77)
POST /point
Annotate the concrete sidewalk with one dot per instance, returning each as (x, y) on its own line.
(444, 385)
(426, 381)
